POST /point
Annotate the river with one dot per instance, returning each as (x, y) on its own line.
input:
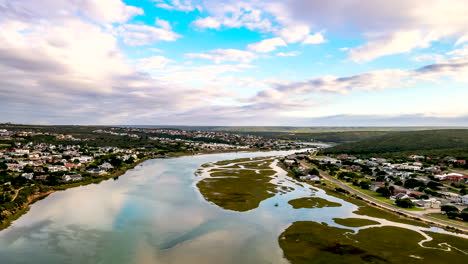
(155, 214)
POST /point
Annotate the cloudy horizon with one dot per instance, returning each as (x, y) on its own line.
(251, 62)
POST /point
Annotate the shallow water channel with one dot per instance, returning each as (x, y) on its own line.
(155, 214)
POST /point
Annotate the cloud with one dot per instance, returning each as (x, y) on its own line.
(456, 68)
(288, 54)
(140, 35)
(399, 42)
(103, 11)
(154, 62)
(388, 28)
(221, 55)
(266, 45)
(316, 38)
(459, 52)
(179, 5)
(294, 33)
(207, 22)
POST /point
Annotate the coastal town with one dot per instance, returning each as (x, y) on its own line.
(432, 186)
(37, 161)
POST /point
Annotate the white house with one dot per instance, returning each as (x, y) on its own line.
(28, 176)
(106, 166)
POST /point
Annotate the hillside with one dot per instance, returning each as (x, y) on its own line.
(429, 140)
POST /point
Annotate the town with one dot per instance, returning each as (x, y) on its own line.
(35, 161)
(431, 186)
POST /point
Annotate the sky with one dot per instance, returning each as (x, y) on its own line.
(252, 62)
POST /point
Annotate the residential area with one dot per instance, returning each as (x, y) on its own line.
(432, 186)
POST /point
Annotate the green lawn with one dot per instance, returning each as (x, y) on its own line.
(443, 217)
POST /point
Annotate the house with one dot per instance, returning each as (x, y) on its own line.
(106, 166)
(430, 203)
(96, 171)
(400, 196)
(464, 199)
(41, 177)
(455, 177)
(310, 178)
(289, 162)
(28, 176)
(376, 185)
(72, 177)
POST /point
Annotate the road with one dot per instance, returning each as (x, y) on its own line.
(384, 205)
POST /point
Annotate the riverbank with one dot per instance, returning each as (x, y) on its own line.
(24, 208)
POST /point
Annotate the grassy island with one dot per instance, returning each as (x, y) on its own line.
(238, 185)
(312, 242)
(312, 202)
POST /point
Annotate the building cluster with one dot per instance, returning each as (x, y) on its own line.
(203, 140)
(38, 161)
(427, 182)
(20, 135)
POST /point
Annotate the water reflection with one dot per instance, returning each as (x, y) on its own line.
(155, 214)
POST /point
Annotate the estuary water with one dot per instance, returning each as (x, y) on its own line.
(155, 214)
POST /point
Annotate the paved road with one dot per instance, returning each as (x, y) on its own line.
(384, 205)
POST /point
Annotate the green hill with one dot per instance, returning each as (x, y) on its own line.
(429, 140)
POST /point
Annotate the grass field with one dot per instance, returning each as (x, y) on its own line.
(444, 217)
(312, 202)
(354, 222)
(312, 242)
(237, 189)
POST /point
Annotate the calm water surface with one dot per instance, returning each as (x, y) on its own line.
(155, 214)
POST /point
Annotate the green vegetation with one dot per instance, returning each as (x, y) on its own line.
(239, 189)
(312, 202)
(354, 222)
(311, 242)
(444, 217)
(381, 213)
(454, 241)
(428, 142)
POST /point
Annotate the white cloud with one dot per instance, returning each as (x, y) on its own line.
(154, 62)
(102, 11)
(399, 42)
(139, 35)
(266, 45)
(294, 33)
(399, 26)
(221, 55)
(316, 38)
(288, 54)
(179, 5)
(433, 57)
(459, 52)
(207, 22)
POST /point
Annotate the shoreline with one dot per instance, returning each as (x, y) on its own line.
(5, 223)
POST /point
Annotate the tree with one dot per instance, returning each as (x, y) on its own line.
(453, 215)
(448, 208)
(413, 183)
(384, 191)
(405, 203)
(3, 166)
(434, 185)
(365, 185)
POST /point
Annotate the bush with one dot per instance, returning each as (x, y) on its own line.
(448, 208)
(405, 203)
